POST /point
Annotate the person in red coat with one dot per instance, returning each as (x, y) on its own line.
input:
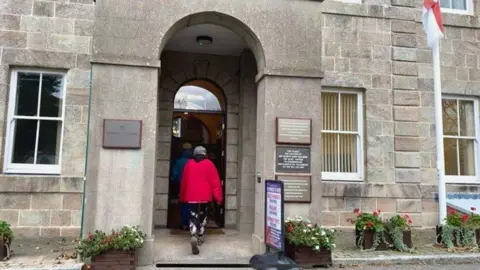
(199, 186)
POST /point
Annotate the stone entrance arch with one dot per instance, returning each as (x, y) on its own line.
(128, 38)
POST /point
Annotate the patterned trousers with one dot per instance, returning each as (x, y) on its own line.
(198, 218)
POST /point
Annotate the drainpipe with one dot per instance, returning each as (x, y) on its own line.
(86, 152)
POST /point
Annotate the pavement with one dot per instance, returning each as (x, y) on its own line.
(233, 247)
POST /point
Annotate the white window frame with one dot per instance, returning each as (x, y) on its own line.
(459, 179)
(350, 1)
(359, 175)
(18, 168)
(467, 11)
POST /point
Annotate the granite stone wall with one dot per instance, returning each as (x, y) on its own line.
(47, 35)
(379, 47)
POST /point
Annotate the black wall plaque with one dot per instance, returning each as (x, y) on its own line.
(293, 159)
(122, 134)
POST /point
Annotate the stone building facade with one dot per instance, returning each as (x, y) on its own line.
(362, 62)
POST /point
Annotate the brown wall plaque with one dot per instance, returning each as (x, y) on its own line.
(292, 159)
(297, 188)
(294, 131)
(122, 134)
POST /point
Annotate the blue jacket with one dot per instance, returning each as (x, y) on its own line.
(177, 170)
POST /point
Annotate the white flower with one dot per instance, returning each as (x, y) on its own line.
(304, 230)
(326, 240)
(317, 247)
(334, 246)
(332, 230)
(322, 232)
(309, 225)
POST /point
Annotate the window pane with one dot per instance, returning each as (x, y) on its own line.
(467, 123)
(450, 154)
(330, 110)
(466, 157)
(459, 4)
(49, 142)
(192, 97)
(450, 119)
(349, 112)
(52, 94)
(445, 3)
(24, 141)
(27, 94)
(330, 152)
(348, 153)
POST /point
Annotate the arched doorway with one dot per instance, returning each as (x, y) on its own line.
(199, 114)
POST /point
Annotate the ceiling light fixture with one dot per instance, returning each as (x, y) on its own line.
(204, 40)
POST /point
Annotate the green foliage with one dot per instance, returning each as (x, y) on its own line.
(127, 238)
(302, 232)
(460, 230)
(396, 225)
(368, 221)
(454, 219)
(474, 219)
(6, 232)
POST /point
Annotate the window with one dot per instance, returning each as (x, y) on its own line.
(342, 133)
(457, 6)
(35, 122)
(460, 138)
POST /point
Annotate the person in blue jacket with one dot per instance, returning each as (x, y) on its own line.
(177, 171)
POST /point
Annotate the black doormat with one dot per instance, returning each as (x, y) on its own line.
(208, 231)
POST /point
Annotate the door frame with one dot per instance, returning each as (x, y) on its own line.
(223, 167)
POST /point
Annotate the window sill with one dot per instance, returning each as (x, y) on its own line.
(33, 171)
(462, 180)
(341, 177)
(457, 11)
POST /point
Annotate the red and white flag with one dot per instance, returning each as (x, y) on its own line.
(432, 21)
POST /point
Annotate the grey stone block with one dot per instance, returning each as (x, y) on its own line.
(371, 66)
(13, 39)
(9, 22)
(408, 175)
(407, 160)
(34, 218)
(404, 40)
(405, 54)
(15, 201)
(406, 98)
(36, 58)
(409, 205)
(381, 52)
(401, 26)
(43, 8)
(64, 43)
(405, 82)
(47, 201)
(409, 144)
(409, 114)
(407, 129)
(75, 11)
(341, 65)
(47, 25)
(379, 112)
(405, 68)
(403, 12)
(10, 216)
(349, 50)
(84, 27)
(382, 81)
(37, 41)
(61, 218)
(16, 7)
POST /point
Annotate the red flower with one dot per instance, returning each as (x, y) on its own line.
(465, 218)
(290, 229)
(410, 221)
(473, 208)
(375, 213)
(369, 224)
(379, 211)
(452, 212)
(356, 211)
(407, 216)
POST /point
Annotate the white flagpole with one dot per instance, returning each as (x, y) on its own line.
(437, 88)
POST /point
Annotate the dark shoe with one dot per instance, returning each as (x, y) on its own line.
(194, 244)
(200, 240)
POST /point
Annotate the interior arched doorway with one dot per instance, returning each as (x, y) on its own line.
(199, 115)
(227, 68)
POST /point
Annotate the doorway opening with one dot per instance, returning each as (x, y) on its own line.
(199, 116)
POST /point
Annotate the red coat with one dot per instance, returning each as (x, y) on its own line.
(200, 182)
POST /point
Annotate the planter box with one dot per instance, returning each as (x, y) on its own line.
(407, 239)
(114, 259)
(368, 241)
(306, 257)
(477, 236)
(3, 250)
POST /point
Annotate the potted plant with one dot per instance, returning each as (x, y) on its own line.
(6, 237)
(370, 231)
(308, 244)
(399, 229)
(456, 231)
(474, 223)
(116, 250)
